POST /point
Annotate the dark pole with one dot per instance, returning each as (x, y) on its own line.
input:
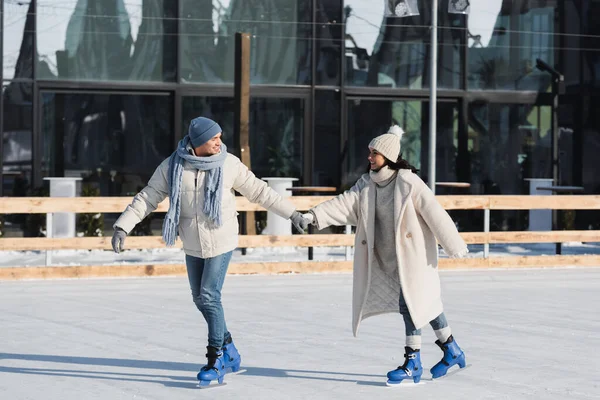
(558, 82)
(241, 120)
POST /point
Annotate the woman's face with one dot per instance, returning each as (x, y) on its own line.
(376, 160)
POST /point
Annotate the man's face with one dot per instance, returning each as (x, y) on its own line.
(210, 148)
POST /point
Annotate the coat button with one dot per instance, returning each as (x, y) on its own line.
(364, 242)
(408, 235)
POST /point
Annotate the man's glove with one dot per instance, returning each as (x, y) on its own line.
(299, 221)
(118, 240)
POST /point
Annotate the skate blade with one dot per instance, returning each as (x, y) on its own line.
(211, 385)
(404, 383)
(240, 371)
(454, 371)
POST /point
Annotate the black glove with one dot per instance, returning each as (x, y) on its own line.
(299, 222)
(118, 240)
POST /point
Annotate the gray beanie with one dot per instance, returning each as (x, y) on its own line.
(202, 130)
(388, 144)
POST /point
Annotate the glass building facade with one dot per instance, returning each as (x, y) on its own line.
(104, 89)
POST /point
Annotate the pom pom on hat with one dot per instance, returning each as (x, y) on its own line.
(388, 144)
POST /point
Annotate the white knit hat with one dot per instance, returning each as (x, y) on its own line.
(388, 144)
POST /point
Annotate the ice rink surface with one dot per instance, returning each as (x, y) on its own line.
(529, 334)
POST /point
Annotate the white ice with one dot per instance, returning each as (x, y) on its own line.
(529, 334)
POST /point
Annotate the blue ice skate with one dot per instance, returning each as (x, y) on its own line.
(231, 357)
(214, 369)
(411, 369)
(452, 355)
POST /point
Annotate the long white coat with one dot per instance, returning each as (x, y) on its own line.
(419, 220)
(199, 236)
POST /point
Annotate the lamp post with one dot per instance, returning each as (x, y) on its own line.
(558, 85)
(408, 8)
(433, 95)
(558, 82)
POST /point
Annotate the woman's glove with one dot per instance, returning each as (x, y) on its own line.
(299, 221)
(310, 217)
(118, 240)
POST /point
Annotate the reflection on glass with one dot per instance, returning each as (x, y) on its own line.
(280, 43)
(276, 131)
(106, 40)
(393, 51)
(17, 139)
(505, 39)
(369, 118)
(115, 141)
(17, 44)
(328, 42)
(509, 143)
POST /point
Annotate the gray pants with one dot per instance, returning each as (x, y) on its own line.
(438, 323)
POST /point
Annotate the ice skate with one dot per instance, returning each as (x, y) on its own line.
(411, 369)
(231, 357)
(214, 370)
(452, 355)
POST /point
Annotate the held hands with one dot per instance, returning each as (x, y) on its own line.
(301, 221)
(118, 240)
(310, 217)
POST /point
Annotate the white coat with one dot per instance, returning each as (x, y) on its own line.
(200, 237)
(419, 220)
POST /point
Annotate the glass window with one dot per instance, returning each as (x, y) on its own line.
(106, 40)
(394, 51)
(505, 39)
(591, 148)
(17, 138)
(590, 41)
(276, 131)
(591, 145)
(280, 43)
(327, 139)
(509, 143)
(115, 141)
(328, 42)
(370, 118)
(17, 43)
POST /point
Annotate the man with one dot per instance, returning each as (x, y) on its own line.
(200, 178)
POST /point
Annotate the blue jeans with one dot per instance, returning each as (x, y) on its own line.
(439, 322)
(206, 276)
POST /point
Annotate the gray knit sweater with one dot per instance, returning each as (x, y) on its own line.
(385, 231)
(385, 274)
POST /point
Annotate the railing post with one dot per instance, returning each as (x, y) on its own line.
(348, 231)
(49, 229)
(486, 229)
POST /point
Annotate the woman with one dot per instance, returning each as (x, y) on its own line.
(395, 261)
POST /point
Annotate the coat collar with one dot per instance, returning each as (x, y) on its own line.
(402, 191)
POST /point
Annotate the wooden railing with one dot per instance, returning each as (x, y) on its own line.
(29, 205)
